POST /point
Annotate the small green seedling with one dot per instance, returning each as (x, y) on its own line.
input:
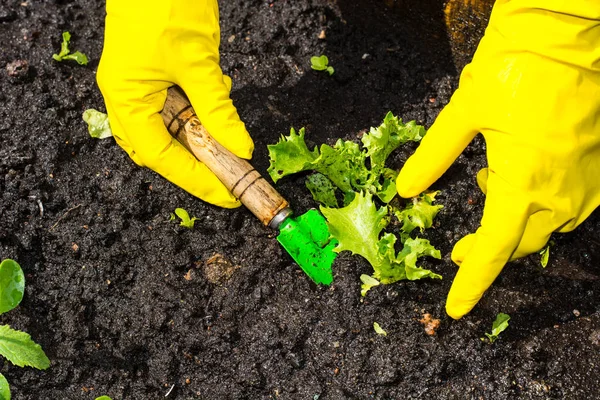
(16, 346)
(65, 53)
(545, 254)
(185, 218)
(499, 325)
(378, 329)
(321, 63)
(103, 398)
(97, 123)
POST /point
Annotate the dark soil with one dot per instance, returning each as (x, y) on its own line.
(110, 295)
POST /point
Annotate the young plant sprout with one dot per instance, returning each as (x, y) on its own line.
(378, 329)
(186, 221)
(16, 346)
(321, 63)
(65, 53)
(499, 325)
(97, 122)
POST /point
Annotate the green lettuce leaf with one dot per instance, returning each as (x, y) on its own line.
(382, 140)
(545, 254)
(358, 227)
(290, 155)
(414, 249)
(20, 350)
(186, 221)
(378, 329)
(386, 191)
(321, 63)
(4, 388)
(345, 164)
(65, 53)
(322, 189)
(499, 325)
(419, 213)
(78, 56)
(368, 282)
(97, 122)
(12, 285)
(357, 174)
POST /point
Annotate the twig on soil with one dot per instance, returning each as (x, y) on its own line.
(170, 390)
(63, 216)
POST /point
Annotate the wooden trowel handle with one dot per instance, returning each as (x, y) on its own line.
(236, 173)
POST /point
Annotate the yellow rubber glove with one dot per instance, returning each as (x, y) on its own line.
(533, 91)
(149, 46)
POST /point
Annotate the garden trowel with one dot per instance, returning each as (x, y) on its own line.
(306, 237)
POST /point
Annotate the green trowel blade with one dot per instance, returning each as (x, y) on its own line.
(307, 240)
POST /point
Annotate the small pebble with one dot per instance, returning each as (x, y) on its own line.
(576, 313)
(595, 337)
(18, 68)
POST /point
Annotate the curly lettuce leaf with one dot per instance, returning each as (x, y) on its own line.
(358, 174)
(358, 227)
(65, 53)
(322, 189)
(387, 137)
(414, 249)
(290, 155)
(386, 190)
(345, 164)
(97, 122)
(419, 213)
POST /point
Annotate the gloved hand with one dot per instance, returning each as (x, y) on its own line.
(149, 46)
(533, 91)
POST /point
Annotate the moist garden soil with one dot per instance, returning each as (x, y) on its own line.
(128, 304)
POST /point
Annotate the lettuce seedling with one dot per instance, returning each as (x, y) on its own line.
(358, 176)
(378, 329)
(97, 122)
(344, 166)
(103, 398)
(358, 228)
(545, 254)
(499, 325)
(65, 53)
(321, 63)
(186, 221)
(419, 213)
(16, 346)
